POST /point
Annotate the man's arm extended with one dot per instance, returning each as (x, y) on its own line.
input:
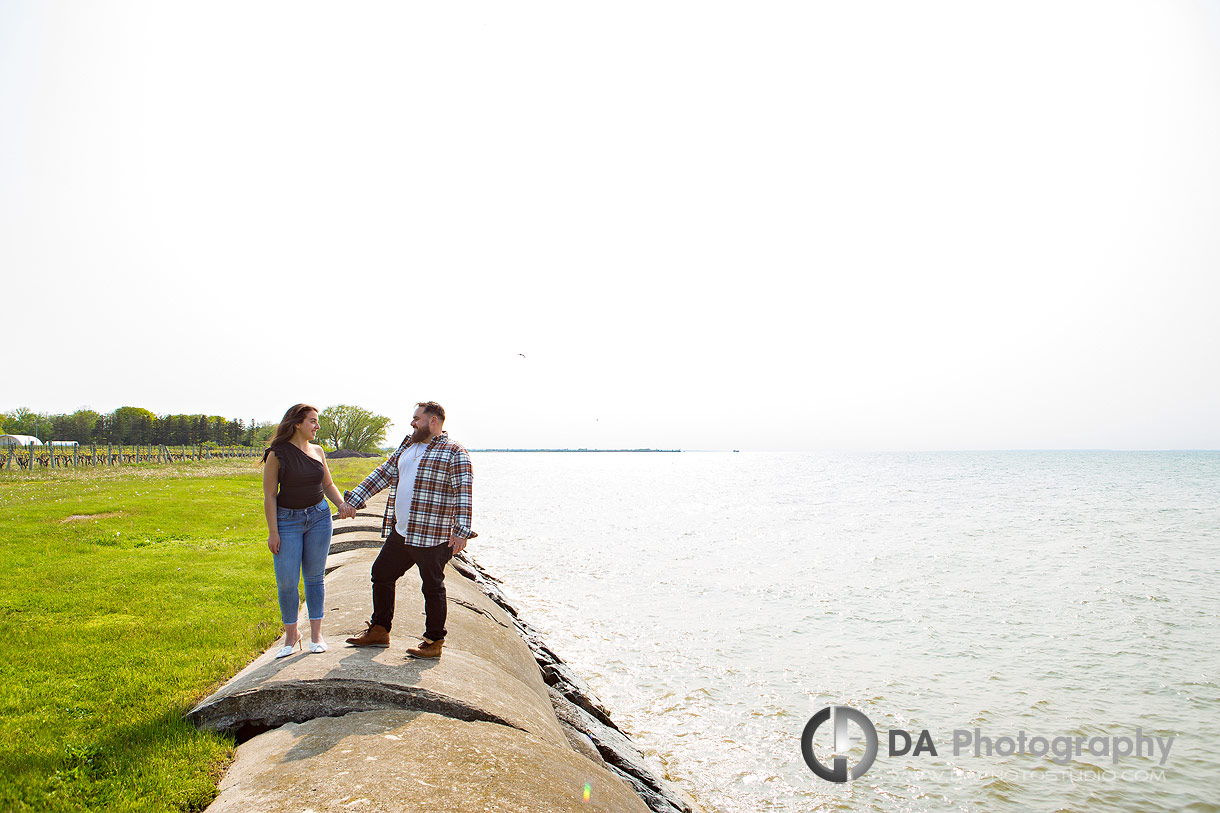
(376, 481)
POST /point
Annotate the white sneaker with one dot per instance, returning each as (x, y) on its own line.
(318, 646)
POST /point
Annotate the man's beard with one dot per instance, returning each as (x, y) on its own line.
(420, 435)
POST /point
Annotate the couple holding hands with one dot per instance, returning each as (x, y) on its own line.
(427, 520)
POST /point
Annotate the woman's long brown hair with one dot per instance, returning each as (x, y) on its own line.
(296, 414)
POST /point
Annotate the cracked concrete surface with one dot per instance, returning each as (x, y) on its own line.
(373, 729)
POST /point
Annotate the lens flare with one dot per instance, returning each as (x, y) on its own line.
(588, 790)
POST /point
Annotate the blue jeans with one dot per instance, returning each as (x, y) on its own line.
(304, 543)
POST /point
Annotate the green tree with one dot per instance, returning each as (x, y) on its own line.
(113, 427)
(78, 426)
(261, 433)
(132, 425)
(22, 421)
(352, 427)
(182, 430)
(217, 430)
(162, 429)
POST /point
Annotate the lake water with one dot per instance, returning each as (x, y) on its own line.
(715, 601)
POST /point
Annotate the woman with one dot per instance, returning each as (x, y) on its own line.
(295, 478)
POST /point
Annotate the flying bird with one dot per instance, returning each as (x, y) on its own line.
(522, 355)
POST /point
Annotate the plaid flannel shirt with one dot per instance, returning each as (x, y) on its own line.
(441, 503)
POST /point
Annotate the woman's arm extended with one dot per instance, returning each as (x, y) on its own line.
(271, 481)
(328, 483)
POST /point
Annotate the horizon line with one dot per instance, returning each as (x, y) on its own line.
(844, 450)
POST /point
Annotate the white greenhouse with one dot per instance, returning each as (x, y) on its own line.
(19, 440)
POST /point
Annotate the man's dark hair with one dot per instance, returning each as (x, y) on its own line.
(433, 408)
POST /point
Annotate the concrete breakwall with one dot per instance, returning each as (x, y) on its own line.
(498, 723)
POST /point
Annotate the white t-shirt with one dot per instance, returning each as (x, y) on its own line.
(408, 467)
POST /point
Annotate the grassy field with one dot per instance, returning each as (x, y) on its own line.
(127, 595)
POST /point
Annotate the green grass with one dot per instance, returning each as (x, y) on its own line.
(126, 596)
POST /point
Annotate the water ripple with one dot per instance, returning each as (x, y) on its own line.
(715, 602)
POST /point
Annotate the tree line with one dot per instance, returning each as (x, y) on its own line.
(134, 426)
(342, 427)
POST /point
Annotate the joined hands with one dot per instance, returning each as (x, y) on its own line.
(346, 511)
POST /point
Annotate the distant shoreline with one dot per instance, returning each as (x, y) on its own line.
(666, 451)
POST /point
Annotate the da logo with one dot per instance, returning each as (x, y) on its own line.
(843, 717)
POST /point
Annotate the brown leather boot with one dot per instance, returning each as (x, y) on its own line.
(373, 635)
(426, 649)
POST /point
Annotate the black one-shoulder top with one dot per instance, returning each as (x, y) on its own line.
(300, 477)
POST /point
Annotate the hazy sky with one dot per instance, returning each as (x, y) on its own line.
(849, 225)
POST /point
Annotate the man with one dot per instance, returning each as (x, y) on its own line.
(427, 521)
